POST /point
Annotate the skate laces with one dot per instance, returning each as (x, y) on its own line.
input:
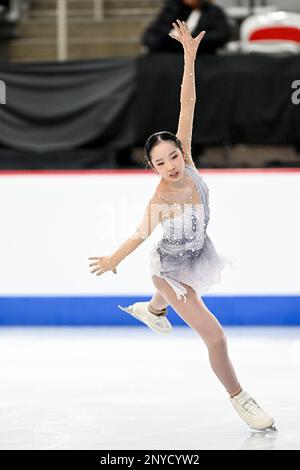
(160, 322)
(156, 319)
(250, 406)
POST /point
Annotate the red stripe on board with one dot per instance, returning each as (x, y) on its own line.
(287, 33)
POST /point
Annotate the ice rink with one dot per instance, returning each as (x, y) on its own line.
(129, 388)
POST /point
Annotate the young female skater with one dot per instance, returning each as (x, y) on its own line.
(184, 263)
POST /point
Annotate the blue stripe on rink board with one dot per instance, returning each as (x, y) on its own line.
(230, 310)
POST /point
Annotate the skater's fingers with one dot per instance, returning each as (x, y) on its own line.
(174, 37)
(97, 266)
(181, 26)
(176, 27)
(200, 35)
(185, 26)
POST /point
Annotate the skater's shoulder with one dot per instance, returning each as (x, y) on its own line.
(155, 206)
(154, 199)
(159, 190)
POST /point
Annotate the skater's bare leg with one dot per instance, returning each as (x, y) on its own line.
(158, 302)
(195, 313)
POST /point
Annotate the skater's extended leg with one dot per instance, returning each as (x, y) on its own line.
(195, 313)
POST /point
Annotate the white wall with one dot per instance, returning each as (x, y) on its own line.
(51, 223)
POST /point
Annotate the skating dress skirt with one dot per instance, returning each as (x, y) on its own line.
(186, 253)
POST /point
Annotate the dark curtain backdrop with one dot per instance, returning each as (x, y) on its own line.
(240, 99)
(52, 108)
(62, 106)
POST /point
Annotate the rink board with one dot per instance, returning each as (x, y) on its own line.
(52, 221)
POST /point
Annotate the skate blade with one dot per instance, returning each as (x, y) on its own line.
(128, 310)
(269, 428)
(272, 428)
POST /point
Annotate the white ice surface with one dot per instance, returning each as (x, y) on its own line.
(129, 388)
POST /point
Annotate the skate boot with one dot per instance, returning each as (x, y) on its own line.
(156, 321)
(251, 412)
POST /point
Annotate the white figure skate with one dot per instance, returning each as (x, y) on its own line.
(251, 412)
(157, 322)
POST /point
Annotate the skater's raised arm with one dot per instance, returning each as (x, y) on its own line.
(188, 91)
(187, 107)
(151, 218)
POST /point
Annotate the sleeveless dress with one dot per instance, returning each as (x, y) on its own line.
(186, 253)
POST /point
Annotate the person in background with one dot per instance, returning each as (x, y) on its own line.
(4, 4)
(10, 13)
(14, 8)
(199, 15)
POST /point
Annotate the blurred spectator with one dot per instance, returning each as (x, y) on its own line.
(4, 4)
(14, 8)
(10, 13)
(199, 15)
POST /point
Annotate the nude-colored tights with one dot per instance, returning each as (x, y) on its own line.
(195, 313)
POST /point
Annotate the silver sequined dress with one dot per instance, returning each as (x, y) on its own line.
(186, 253)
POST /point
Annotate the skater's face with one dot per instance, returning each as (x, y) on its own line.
(168, 161)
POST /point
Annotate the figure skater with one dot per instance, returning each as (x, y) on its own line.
(184, 263)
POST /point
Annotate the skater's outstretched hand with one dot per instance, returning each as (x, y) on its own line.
(103, 264)
(183, 35)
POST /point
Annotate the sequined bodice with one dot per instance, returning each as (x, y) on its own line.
(184, 234)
